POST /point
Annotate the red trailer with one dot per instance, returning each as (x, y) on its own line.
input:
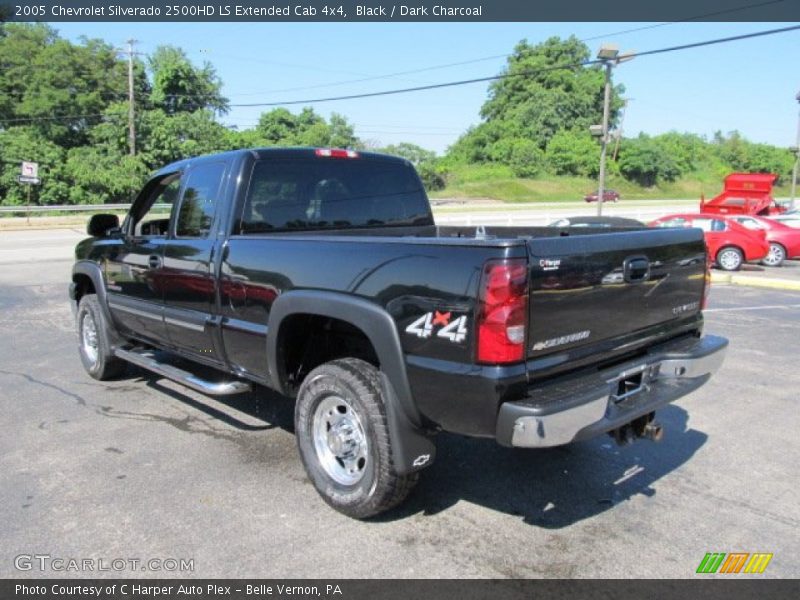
(745, 193)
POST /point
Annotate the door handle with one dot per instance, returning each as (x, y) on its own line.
(636, 269)
(154, 262)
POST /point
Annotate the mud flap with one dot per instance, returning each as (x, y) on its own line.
(412, 448)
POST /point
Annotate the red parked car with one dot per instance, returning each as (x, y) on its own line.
(729, 244)
(608, 196)
(784, 241)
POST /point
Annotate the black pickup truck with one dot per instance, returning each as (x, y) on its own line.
(321, 274)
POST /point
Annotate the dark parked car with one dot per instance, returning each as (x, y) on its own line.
(608, 196)
(605, 222)
(321, 274)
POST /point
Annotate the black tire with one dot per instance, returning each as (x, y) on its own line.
(776, 256)
(98, 359)
(348, 390)
(730, 258)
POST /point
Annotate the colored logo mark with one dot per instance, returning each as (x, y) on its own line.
(734, 562)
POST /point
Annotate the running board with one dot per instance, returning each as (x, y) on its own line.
(190, 380)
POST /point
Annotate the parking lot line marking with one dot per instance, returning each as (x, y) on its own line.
(737, 308)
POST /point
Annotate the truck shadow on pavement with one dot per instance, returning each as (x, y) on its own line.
(274, 410)
(555, 487)
(550, 488)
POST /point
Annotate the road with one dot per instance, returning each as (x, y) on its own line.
(142, 468)
(546, 213)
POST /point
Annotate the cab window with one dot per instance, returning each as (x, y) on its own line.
(199, 200)
(150, 214)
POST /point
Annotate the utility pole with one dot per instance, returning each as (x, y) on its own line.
(131, 112)
(609, 56)
(604, 141)
(796, 158)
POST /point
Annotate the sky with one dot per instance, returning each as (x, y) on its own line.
(748, 85)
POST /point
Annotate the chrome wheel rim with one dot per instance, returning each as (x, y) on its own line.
(729, 260)
(775, 256)
(89, 337)
(339, 440)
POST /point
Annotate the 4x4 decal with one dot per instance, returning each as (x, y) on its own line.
(454, 330)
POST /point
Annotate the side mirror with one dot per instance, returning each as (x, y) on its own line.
(99, 225)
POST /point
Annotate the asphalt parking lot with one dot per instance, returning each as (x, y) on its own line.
(141, 468)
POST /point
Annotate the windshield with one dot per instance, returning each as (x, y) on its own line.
(304, 194)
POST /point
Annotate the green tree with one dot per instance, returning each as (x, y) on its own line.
(573, 152)
(166, 138)
(279, 127)
(535, 102)
(411, 152)
(741, 155)
(542, 100)
(57, 87)
(645, 162)
(179, 86)
(524, 156)
(429, 167)
(100, 177)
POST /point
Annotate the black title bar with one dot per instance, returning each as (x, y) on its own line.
(243, 11)
(734, 588)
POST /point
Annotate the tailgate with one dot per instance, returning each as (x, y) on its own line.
(596, 294)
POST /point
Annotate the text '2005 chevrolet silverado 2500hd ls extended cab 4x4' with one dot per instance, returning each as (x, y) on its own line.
(321, 274)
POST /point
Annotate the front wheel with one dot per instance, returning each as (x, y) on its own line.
(94, 344)
(343, 438)
(730, 259)
(775, 256)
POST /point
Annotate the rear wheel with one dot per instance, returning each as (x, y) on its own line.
(730, 259)
(94, 344)
(775, 256)
(343, 438)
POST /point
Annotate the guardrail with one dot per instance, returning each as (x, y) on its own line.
(22, 208)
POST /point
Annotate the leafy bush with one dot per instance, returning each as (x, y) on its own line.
(572, 152)
(645, 162)
(522, 155)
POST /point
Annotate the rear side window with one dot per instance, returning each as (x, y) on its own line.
(676, 222)
(199, 201)
(304, 194)
(710, 224)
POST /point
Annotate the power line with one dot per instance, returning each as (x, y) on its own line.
(520, 74)
(506, 55)
(57, 118)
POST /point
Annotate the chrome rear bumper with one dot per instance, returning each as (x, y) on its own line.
(582, 406)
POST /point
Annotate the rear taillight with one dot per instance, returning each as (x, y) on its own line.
(503, 312)
(336, 153)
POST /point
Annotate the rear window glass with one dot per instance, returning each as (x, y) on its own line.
(750, 223)
(287, 195)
